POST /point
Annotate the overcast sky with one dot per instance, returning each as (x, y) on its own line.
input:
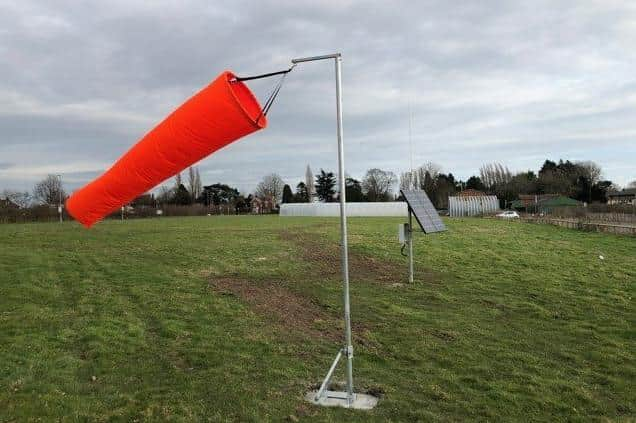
(511, 82)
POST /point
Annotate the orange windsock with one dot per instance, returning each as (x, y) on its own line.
(219, 114)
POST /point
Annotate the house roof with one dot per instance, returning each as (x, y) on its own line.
(628, 192)
(547, 200)
(559, 201)
(470, 193)
(517, 204)
(529, 199)
(8, 204)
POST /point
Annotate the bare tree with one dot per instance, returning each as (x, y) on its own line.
(191, 181)
(418, 179)
(632, 184)
(20, 199)
(165, 195)
(271, 186)
(433, 170)
(49, 190)
(614, 187)
(494, 174)
(194, 183)
(309, 183)
(591, 171)
(377, 184)
(197, 184)
(410, 180)
(486, 174)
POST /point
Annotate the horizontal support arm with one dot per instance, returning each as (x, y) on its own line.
(311, 59)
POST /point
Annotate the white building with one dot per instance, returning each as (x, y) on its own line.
(473, 205)
(392, 208)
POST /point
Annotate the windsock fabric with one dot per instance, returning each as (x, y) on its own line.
(219, 114)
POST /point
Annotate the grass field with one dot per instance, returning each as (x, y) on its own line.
(235, 318)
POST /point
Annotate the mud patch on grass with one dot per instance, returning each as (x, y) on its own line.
(325, 257)
(312, 250)
(445, 335)
(290, 310)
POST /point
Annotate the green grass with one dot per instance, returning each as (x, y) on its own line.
(506, 321)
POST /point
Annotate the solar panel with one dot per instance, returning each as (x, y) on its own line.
(424, 211)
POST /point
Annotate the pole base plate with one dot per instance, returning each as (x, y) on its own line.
(339, 399)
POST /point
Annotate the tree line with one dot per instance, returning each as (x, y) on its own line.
(377, 185)
(579, 180)
(582, 181)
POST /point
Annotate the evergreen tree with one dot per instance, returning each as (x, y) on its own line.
(353, 191)
(288, 196)
(218, 194)
(301, 196)
(428, 183)
(443, 188)
(182, 196)
(325, 183)
(474, 182)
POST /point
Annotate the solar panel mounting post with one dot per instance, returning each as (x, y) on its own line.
(323, 396)
(420, 206)
(410, 240)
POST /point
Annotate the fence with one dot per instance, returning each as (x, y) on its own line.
(596, 213)
(32, 214)
(624, 229)
(50, 214)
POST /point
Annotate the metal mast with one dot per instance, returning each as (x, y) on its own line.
(324, 397)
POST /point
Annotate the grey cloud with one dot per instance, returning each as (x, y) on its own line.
(505, 81)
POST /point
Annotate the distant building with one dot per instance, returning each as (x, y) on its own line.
(556, 202)
(388, 208)
(472, 205)
(263, 205)
(534, 203)
(626, 196)
(530, 202)
(8, 204)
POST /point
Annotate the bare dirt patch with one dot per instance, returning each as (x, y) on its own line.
(445, 335)
(326, 258)
(292, 311)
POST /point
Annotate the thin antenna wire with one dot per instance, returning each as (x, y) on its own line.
(410, 138)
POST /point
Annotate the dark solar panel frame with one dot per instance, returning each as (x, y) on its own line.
(424, 211)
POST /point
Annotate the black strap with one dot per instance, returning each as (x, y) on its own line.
(265, 75)
(272, 96)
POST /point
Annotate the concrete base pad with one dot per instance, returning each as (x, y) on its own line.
(339, 399)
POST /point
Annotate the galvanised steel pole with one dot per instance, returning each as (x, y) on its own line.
(344, 250)
(410, 246)
(344, 247)
(59, 201)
